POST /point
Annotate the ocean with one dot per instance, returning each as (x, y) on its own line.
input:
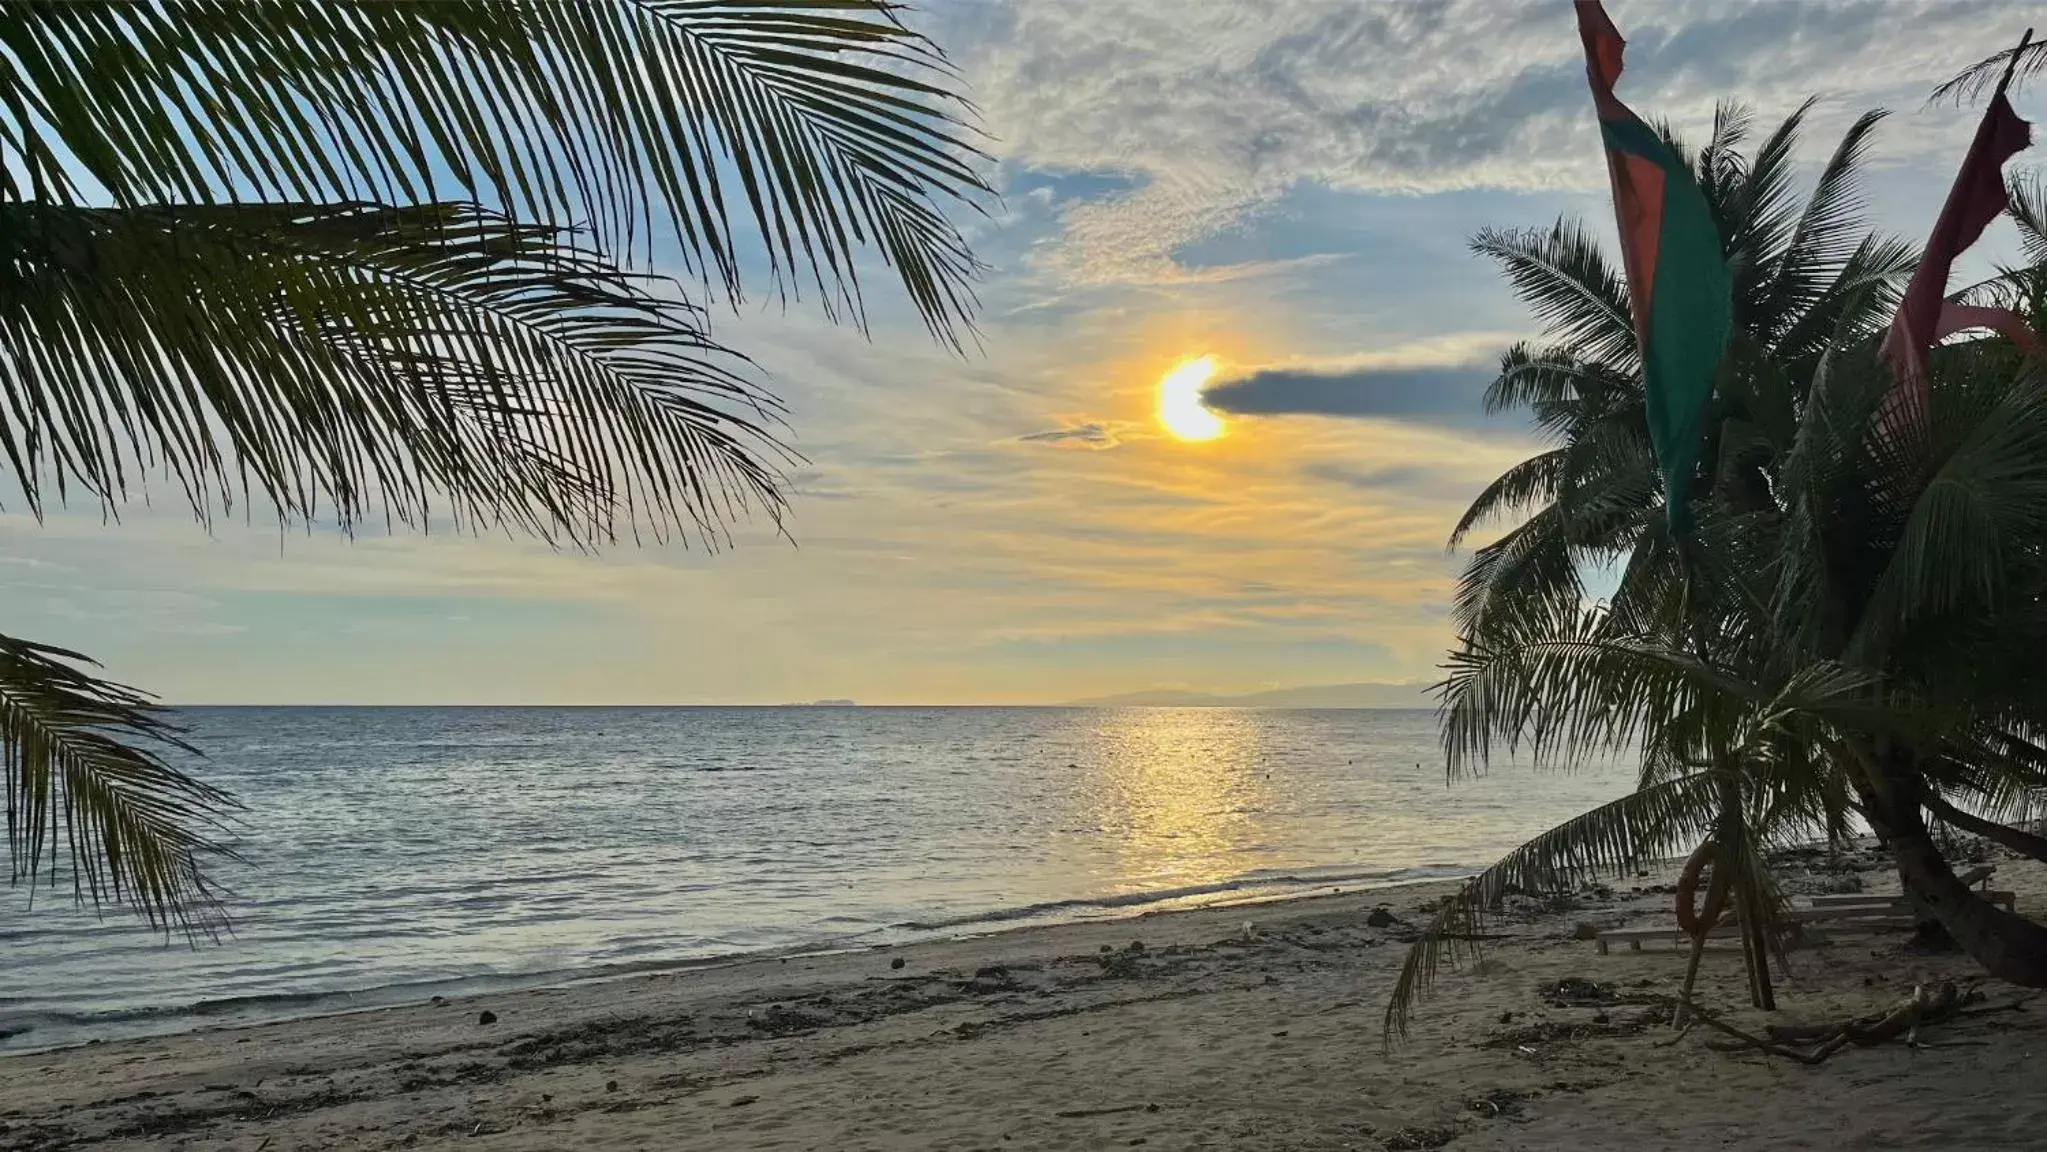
(390, 854)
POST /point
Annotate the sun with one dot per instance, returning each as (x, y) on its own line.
(1180, 407)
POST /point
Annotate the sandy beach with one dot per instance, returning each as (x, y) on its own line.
(1252, 1027)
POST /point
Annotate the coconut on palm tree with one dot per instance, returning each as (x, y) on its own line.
(335, 262)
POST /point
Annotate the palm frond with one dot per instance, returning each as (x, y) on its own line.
(2028, 195)
(1756, 212)
(1565, 279)
(1973, 82)
(1985, 503)
(1531, 481)
(1643, 826)
(87, 782)
(1827, 236)
(1526, 571)
(827, 125)
(340, 359)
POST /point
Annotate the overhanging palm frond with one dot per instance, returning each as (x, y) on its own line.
(827, 125)
(1643, 826)
(334, 360)
(87, 782)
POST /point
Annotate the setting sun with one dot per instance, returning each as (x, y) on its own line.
(1180, 407)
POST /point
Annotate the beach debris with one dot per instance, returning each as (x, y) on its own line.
(743, 1101)
(1815, 1043)
(1122, 965)
(1421, 1139)
(1136, 946)
(1381, 917)
(1577, 992)
(1084, 1113)
(438, 1000)
(1250, 930)
(1108, 948)
(486, 1017)
(1584, 930)
(611, 1085)
(896, 965)
(1525, 1039)
(1507, 1017)
(1497, 1103)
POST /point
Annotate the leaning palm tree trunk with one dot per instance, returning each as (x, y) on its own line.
(2018, 840)
(2008, 946)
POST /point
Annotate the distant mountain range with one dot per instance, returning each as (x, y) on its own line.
(1413, 694)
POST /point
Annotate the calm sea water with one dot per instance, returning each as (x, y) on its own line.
(392, 853)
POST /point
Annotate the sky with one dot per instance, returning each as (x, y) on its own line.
(1288, 186)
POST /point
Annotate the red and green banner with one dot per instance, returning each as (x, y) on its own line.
(1678, 285)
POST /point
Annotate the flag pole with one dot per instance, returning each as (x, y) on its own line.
(2012, 65)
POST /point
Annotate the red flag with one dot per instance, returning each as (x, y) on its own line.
(1926, 316)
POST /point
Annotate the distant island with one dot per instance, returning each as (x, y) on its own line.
(1410, 694)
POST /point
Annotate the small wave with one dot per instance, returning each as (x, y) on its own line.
(1252, 881)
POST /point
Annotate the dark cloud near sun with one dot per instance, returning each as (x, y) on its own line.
(1453, 395)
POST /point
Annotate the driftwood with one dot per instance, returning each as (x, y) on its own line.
(1813, 1044)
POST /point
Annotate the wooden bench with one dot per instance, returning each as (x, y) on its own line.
(1891, 908)
(2009, 900)
(1885, 911)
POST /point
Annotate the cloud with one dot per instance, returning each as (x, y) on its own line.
(1208, 111)
(1395, 476)
(1094, 436)
(1432, 394)
(812, 484)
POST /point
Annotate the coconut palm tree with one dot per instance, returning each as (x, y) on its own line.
(333, 261)
(1829, 644)
(1805, 276)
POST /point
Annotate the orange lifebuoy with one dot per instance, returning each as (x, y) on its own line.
(1689, 919)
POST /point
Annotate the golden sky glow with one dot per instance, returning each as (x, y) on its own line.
(1180, 407)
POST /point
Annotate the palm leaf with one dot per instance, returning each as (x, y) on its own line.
(87, 782)
(1529, 482)
(1982, 76)
(827, 125)
(1643, 826)
(1566, 281)
(340, 360)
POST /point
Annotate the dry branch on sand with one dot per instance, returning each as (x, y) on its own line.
(1815, 1043)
